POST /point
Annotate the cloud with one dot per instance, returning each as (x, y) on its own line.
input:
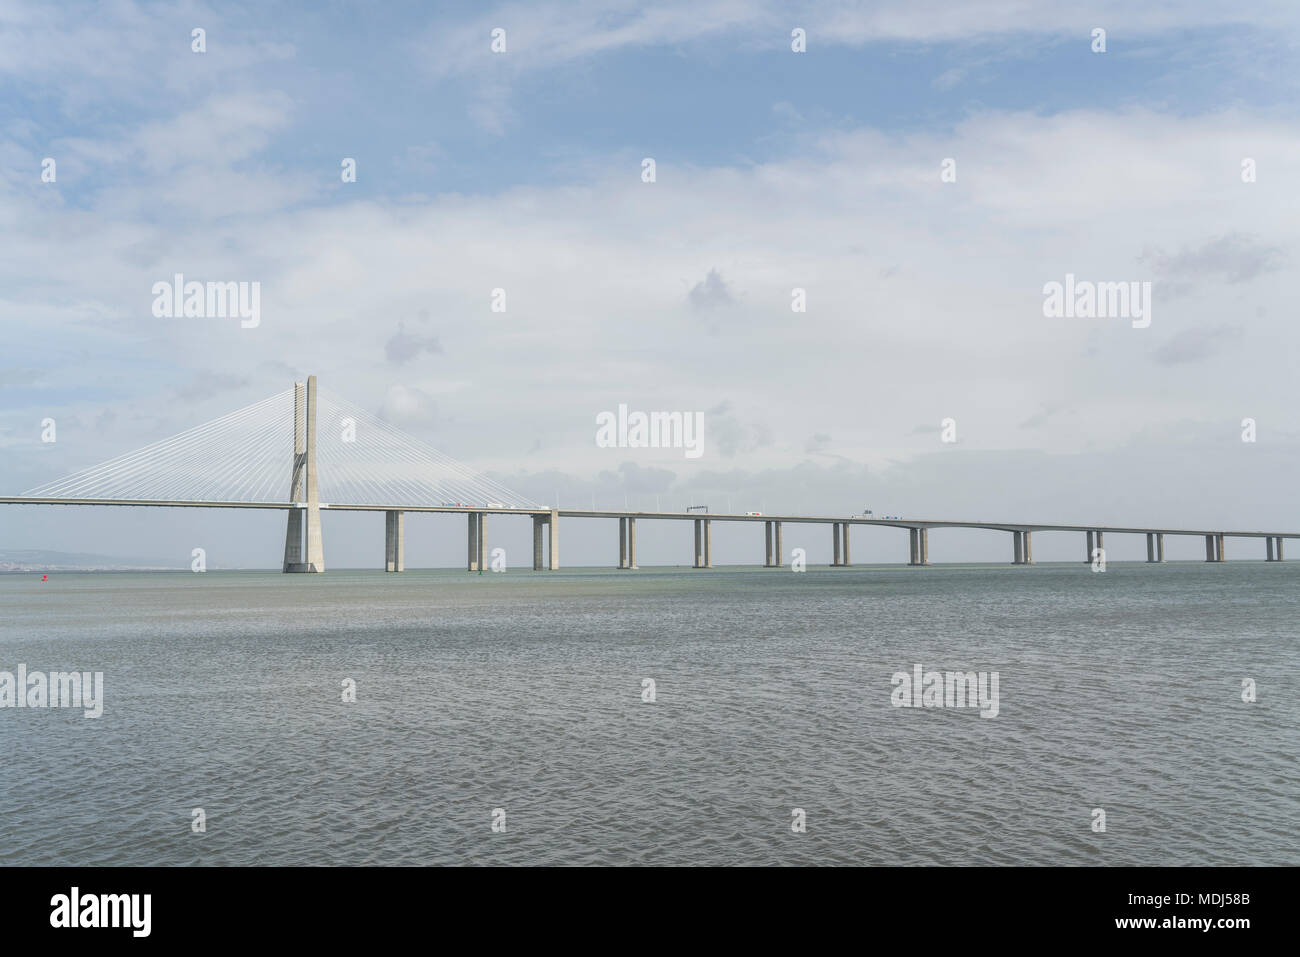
(407, 406)
(710, 293)
(599, 313)
(202, 386)
(638, 479)
(544, 35)
(729, 436)
(1233, 258)
(402, 347)
(1196, 344)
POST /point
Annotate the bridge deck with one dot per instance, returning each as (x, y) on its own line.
(668, 516)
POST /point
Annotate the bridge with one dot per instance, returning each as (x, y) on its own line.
(364, 464)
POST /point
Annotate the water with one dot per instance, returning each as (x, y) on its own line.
(522, 691)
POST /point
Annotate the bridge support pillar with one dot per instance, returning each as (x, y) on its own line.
(1160, 546)
(837, 560)
(394, 541)
(1210, 549)
(627, 542)
(703, 543)
(1087, 557)
(303, 549)
(1268, 548)
(923, 545)
(1151, 547)
(539, 524)
(776, 529)
(1279, 548)
(914, 543)
(1017, 549)
(844, 550)
(1027, 551)
(471, 557)
(1221, 557)
(767, 545)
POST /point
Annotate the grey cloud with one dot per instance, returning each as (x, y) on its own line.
(1232, 258)
(710, 293)
(637, 479)
(729, 436)
(403, 347)
(1201, 342)
(1041, 417)
(205, 385)
(410, 407)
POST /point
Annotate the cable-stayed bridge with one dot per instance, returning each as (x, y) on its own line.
(305, 452)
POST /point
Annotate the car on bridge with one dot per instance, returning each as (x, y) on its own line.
(753, 513)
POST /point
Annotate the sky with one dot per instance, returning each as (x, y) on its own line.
(921, 170)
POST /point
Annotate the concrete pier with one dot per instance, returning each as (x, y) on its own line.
(394, 542)
(1028, 549)
(1268, 549)
(554, 525)
(1222, 556)
(1151, 546)
(703, 543)
(476, 559)
(1209, 548)
(844, 549)
(627, 542)
(304, 521)
(1160, 546)
(1017, 549)
(1088, 555)
(767, 545)
(776, 528)
(835, 543)
(923, 545)
(539, 528)
(914, 546)
(1279, 548)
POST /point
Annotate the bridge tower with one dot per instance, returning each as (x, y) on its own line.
(304, 517)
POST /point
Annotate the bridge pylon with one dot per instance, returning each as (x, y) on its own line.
(303, 549)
